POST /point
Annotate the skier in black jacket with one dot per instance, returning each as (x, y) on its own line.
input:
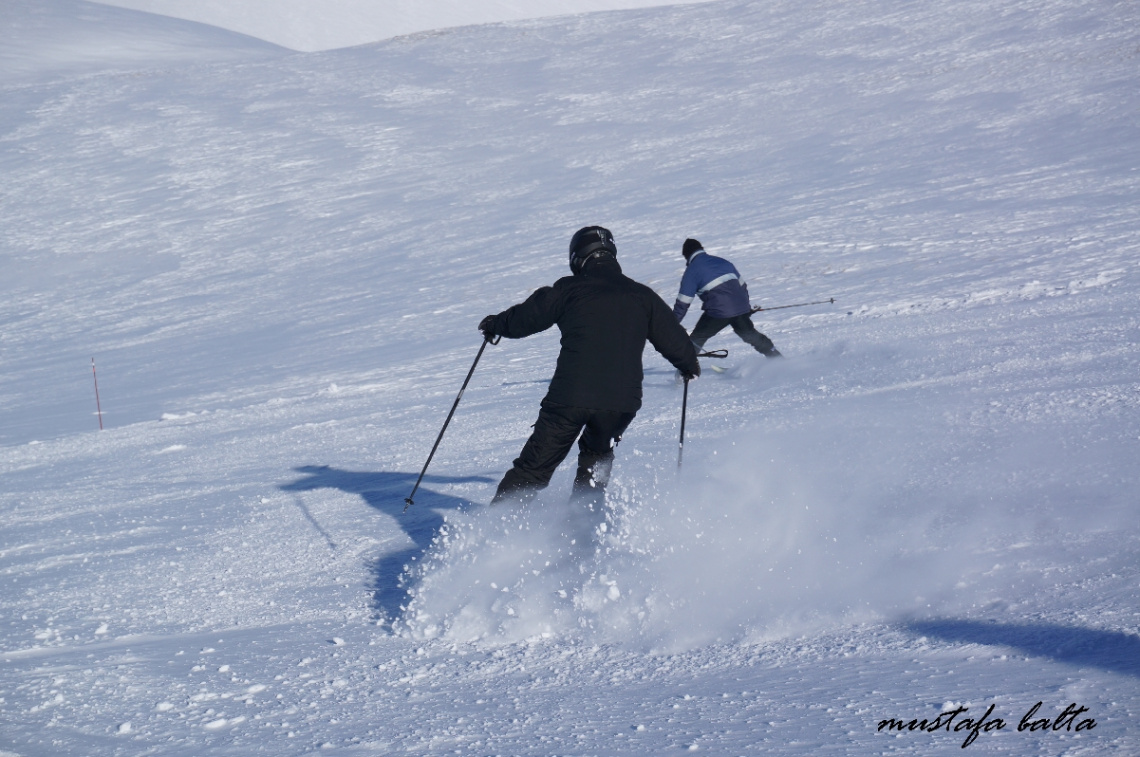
(605, 319)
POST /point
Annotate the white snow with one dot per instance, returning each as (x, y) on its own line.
(278, 261)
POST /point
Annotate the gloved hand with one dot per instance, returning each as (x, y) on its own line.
(487, 326)
(690, 376)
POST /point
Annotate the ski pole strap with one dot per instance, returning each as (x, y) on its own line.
(713, 353)
(830, 301)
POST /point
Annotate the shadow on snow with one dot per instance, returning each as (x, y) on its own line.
(386, 491)
(1108, 650)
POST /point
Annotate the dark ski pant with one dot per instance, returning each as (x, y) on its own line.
(708, 327)
(554, 433)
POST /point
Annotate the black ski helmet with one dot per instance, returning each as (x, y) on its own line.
(590, 242)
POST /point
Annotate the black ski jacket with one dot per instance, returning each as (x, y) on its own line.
(605, 319)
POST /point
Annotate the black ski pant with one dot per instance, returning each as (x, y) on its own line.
(708, 327)
(554, 433)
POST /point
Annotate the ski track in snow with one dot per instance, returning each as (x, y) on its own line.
(278, 262)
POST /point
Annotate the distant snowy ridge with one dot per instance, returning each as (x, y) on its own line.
(40, 38)
(311, 25)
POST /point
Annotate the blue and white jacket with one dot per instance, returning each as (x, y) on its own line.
(717, 282)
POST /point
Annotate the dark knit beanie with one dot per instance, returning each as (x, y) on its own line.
(690, 246)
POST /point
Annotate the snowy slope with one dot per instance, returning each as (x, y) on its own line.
(313, 25)
(278, 265)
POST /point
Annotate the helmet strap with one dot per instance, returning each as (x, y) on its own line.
(581, 260)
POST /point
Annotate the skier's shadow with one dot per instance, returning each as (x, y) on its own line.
(386, 491)
(1084, 647)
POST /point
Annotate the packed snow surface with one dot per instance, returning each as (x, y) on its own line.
(313, 25)
(277, 262)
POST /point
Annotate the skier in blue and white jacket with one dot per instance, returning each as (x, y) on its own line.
(724, 299)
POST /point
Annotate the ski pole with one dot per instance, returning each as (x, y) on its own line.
(408, 501)
(685, 402)
(830, 301)
(684, 409)
(98, 407)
